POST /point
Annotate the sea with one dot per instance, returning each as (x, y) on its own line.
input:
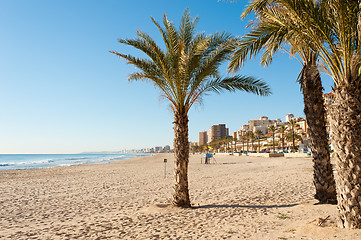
(35, 161)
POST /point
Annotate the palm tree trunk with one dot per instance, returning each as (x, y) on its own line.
(273, 140)
(346, 132)
(323, 178)
(293, 141)
(181, 153)
(259, 145)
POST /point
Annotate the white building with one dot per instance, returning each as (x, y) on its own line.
(289, 117)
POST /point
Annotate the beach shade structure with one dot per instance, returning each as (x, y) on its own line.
(186, 70)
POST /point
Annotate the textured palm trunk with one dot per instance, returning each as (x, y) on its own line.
(323, 178)
(273, 141)
(181, 153)
(346, 132)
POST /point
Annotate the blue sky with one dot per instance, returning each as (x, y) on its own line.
(61, 91)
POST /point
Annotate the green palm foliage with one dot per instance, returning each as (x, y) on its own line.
(278, 26)
(186, 70)
(334, 29)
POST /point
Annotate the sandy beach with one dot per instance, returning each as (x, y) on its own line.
(239, 197)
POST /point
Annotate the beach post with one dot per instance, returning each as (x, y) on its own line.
(165, 167)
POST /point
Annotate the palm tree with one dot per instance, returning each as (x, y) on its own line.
(247, 137)
(334, 27)
(282, 130)
(272, 130)
(292, 136)
(259, 133)
(275, 29)
(243, 138)
(292, 124)
(186, 70)
(252, 138)
(341, 26)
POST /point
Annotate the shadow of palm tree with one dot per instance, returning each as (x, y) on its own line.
(245, 206)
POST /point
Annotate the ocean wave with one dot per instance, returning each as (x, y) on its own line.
(26, 163)
(111, 158)
(75, 158)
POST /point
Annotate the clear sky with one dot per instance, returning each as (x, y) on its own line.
(61, 91)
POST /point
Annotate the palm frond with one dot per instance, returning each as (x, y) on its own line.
(242, 83)
(189, 65)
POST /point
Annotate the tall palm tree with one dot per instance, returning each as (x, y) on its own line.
(272, 130)
(186, 70)
(235, 144)
(252, 138)
(247, 137)
(275, 30)
(292, 125)
(282, 130)
(340, 47)
(259, 133)
(334, 27)
(243, 138)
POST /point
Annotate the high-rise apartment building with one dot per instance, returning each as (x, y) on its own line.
(218, 131)
(203, 138)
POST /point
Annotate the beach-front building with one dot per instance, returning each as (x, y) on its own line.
(218, 131)
(263, 123)
(235, 135)
(203, 138)
(289, 117)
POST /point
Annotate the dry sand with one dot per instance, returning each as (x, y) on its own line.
(237, 198)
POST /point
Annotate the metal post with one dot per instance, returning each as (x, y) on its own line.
(165, 168)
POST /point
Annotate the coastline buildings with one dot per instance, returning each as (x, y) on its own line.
(263, 123)
(203, 138)
(289, 117)
(216, 132)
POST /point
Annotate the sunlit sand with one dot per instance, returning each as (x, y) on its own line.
(240, 197)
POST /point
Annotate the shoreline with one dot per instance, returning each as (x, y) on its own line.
(240, 197)
(40, 161)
